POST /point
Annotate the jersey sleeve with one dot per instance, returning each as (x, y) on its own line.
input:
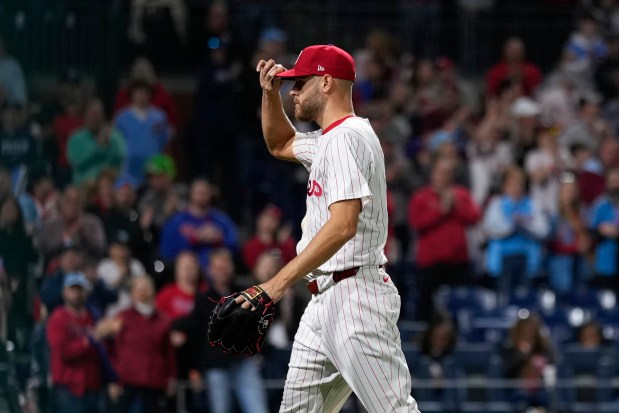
(349, 165)
(305, 147)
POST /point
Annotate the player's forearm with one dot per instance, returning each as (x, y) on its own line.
(276, 127)
(331, 237)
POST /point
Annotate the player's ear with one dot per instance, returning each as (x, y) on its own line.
(326, 83)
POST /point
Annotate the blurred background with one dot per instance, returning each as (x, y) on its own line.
(136, 190)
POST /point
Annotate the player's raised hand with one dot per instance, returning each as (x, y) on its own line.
(268, 70)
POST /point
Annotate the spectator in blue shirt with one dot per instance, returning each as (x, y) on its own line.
(200, 228)
(515, 227)
(604, 222)
(145, 128)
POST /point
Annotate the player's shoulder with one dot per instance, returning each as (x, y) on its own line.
(354, 127)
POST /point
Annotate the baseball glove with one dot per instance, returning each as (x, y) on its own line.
(241, 331)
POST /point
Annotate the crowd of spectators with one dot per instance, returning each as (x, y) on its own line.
(110, 261)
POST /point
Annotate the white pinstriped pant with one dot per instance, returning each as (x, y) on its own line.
(348, 341)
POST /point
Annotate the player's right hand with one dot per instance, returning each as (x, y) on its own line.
(268, 70)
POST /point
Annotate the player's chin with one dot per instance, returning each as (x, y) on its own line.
(301, 115)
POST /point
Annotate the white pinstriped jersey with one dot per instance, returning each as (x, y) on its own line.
(345, 163)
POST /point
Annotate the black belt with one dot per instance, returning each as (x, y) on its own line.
(338, 276)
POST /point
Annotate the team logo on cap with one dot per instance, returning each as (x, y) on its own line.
(320, 68)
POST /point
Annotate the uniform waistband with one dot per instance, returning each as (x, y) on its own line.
(337, 276)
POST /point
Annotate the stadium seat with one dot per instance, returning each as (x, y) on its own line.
(489, 325)
(457, 298)
(411, 330)
(533, 299)
(476, 366)
(592, 299)
(563, 322)
(433, 396)
(584, 367)
(461, 302)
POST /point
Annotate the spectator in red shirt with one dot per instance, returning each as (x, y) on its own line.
(269, 236)
(440, 214)
(513, 67)
(142, 70)
(177, 300)
(142, 353)
(75, 364)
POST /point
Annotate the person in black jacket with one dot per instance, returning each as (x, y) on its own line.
(221, 372)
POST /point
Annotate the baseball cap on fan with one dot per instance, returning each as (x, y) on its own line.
(321, 60)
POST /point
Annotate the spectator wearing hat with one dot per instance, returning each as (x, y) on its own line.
(440, 214)
(524, 113)
(142, 353)
(18, 146)
(515, 67)
(443, 144)
(200, 228)
(74, 260)
(145, 128)
(11, 77)
(142, 70)
(76, 366)
(270, 235)
(73, 226)
(95, 147)
(162, 197)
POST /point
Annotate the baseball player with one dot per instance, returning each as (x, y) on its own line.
(347, 339)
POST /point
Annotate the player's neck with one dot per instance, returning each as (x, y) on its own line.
(334, 110)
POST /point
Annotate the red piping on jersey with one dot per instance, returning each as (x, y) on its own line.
(336, 123)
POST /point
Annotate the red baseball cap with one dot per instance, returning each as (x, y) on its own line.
(322, 60)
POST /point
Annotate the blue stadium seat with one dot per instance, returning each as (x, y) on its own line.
(476, 365)
(533, 299)
(411, 330)
(489, 325)
(461, 302)
(455, 299)
(592, 299)
(584, 367)
(563, 322)
(433, 396)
